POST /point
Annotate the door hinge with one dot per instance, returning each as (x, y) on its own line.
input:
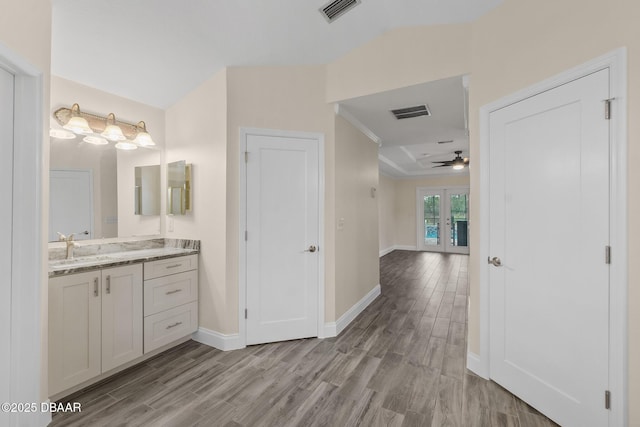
(246, 235)
(607, 399)
(246, 156)
(607, 254)
(245, 314)
(607, 108)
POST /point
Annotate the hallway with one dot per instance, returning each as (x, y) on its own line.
(400, 363)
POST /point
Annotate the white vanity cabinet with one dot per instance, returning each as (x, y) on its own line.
(95, 324)
(170, 300)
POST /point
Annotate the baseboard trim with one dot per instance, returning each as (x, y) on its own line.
(217, 340)
(353, 312)
(475, 365)
(405, 248)
(397, 248)
(329, 330)
(387, 251)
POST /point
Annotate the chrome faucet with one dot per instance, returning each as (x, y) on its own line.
(70, 243)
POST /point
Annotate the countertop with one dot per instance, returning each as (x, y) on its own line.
(81, 264)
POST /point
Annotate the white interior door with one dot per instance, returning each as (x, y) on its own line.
(549, 226)
(443, 220)
(71, 203)
(6, 195)
(282, 238)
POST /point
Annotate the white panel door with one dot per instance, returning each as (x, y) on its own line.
(70, 203)
(549, 226)
(282, 224)
(6, 178)
(121, 315)
(74, 330)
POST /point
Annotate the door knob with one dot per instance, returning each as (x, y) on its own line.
(311, 249)
(495, 261)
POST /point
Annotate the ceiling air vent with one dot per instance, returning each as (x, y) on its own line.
(407, 113)
(334, 9)
(449, 141)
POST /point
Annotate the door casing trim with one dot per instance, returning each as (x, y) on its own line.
(616, 62)
(242, 260)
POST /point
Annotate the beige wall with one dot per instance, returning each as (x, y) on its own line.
(197, 133)
(65, 93)
(400, 58)
(406, 234)
(285, 98)
(386, 212)
(357, 258)
(25, 28)
(523, 42)
(516, 45)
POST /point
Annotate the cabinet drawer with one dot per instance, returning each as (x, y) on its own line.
(170, 291)
(163, 267)
(162, 328)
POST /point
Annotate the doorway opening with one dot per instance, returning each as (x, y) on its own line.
(443, 219)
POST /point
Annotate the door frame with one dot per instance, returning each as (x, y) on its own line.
(28, 278)
(616, 61)
(245, 132)
(420, 219)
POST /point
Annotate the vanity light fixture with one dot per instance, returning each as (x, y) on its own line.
(77, 123)
(143, 138)
(113, 132)
(99, 127)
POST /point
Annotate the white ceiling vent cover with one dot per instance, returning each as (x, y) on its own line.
(335, 9)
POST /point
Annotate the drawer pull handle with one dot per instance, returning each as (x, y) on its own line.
(174, 325)
(95, 287)
(173, 292)
(109, 284)
(174, 265)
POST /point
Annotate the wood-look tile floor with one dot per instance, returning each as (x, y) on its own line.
(400, 363)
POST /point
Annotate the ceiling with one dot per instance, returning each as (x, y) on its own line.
(408, 147)
(156, 51)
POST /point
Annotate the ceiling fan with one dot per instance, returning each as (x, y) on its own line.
(457, 163)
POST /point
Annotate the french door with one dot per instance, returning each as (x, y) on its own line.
(443, 220)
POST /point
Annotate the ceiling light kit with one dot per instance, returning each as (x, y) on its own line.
(458, 163)
(100, 130)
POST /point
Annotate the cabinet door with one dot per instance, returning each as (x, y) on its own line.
(74, 330)
(121, 315)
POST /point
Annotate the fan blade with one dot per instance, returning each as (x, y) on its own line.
(442, 166)
(445, 162)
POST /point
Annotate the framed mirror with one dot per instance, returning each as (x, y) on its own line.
(178, 188)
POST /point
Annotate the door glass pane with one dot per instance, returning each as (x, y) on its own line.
(432, 220)
(459, 219)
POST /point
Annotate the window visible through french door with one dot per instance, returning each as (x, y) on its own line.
(443, 219)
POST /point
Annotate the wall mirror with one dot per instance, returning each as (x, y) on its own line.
(178, 188)
(147, 190)
(92, 191)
